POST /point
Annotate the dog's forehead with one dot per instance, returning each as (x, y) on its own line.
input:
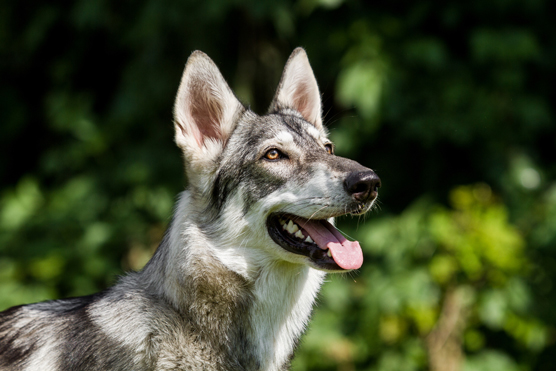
(285, 129)
(284, 136)
(315, 132)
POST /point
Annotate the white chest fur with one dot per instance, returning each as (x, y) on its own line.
(284, 297)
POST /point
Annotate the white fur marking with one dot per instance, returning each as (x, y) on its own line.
(284, 137)
(315, 133)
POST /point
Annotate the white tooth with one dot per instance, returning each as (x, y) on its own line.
(309, 239)
(284, 226)
(329, 253)
(299, 234)
(289, 227)
(295, 228)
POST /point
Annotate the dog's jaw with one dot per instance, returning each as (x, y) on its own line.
(318, 240)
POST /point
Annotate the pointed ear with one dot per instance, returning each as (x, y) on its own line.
(298, 89)
(206, 109)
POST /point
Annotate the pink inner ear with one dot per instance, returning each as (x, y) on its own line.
(206, 114)
(303, 102)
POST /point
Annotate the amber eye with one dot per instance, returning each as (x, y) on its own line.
(272, 154)
(329, 148)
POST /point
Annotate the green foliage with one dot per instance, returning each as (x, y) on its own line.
(432, 95)
(412, 261)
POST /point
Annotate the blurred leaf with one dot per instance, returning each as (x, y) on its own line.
(490, 360)
(360, 85)
(20, 205)
(504, 46)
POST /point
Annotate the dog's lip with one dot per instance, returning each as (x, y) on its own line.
(359, 209)
(356, 208)
(329, 250)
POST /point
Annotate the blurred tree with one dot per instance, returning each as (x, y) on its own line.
(430, 94)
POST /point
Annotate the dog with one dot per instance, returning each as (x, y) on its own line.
(233, 282)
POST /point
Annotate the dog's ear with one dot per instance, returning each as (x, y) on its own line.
(205, 111)
(298, 89)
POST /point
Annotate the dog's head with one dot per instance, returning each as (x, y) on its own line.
(270, 182)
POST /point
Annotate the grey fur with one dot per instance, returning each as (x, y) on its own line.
(218, 294)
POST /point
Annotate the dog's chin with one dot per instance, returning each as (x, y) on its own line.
(281, 234)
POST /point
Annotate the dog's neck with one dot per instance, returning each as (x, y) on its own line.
(265, 310)
(284, 297)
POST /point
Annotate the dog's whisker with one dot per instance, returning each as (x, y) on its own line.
(311, 217)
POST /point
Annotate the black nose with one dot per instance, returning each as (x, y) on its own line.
(362, 185)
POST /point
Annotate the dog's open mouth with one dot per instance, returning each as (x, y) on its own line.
(317, 239)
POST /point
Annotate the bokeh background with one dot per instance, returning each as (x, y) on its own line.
(451, 102)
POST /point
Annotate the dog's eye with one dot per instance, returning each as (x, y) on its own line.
(329, 148)
(273, 154)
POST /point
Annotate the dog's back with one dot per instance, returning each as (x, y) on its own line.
(123, 328)
(58, 335)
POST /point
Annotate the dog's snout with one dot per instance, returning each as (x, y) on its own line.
(362, 185)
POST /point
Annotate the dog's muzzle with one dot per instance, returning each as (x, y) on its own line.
(319, 240)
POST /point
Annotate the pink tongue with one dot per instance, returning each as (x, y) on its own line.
(347, 254)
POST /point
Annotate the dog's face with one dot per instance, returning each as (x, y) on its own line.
(273, 182)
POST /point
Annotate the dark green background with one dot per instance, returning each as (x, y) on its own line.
(451, 102)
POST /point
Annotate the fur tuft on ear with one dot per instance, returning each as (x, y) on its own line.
(206, 109)
(298, 89)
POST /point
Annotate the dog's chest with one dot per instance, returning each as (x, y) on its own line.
(283, 304)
